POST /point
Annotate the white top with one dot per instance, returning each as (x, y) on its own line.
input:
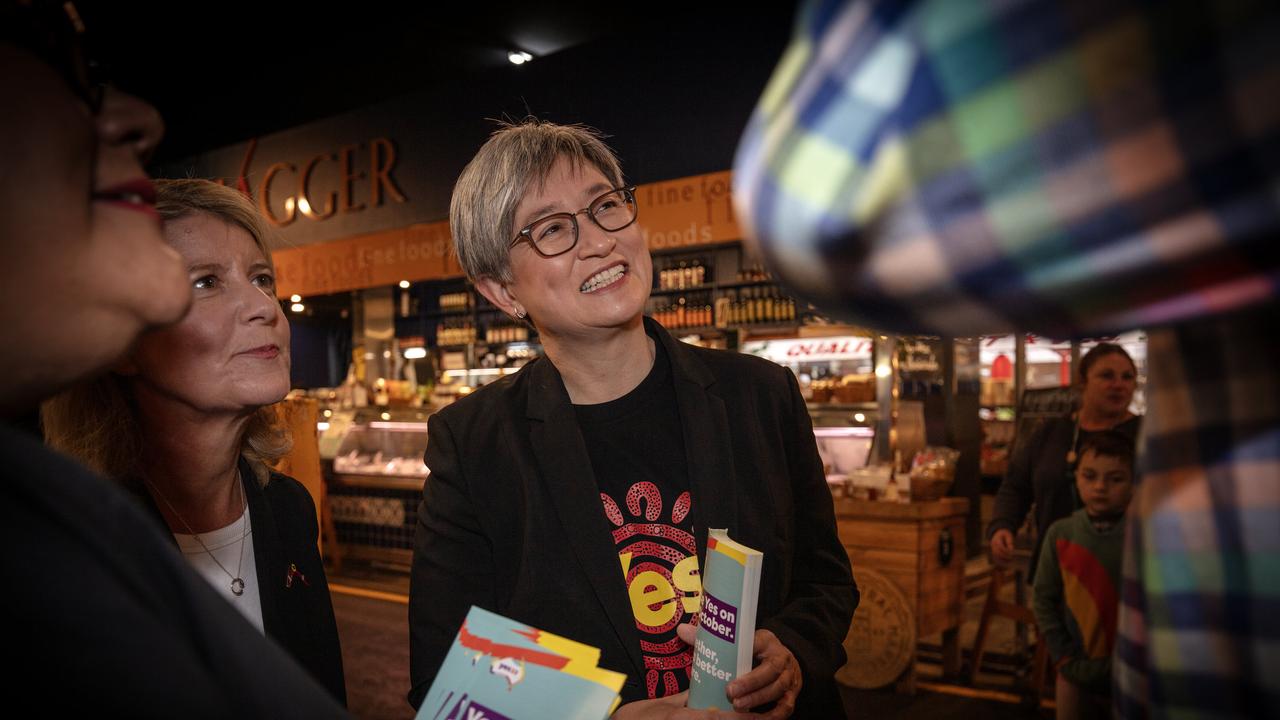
(225, 543)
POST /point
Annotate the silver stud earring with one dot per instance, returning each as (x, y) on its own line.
(520, 314)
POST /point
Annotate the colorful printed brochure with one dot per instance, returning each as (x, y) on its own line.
(499, 669)
(727, 622)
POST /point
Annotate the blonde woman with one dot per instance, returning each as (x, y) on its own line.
(186, 423)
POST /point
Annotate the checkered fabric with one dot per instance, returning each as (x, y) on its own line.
(979, 166)
(1200, 596)
(1070, 168)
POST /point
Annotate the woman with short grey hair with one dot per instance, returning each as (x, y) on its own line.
(576, 494)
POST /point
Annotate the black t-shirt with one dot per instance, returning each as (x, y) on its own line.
(636, 445)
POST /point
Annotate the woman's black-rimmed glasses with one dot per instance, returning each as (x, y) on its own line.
(557, 234)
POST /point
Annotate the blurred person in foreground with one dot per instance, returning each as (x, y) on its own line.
(576, 494)
(1071, 169)
(187, 423)
(103, 616)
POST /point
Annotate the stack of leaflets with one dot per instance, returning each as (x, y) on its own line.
(727, 622)
(499, 669)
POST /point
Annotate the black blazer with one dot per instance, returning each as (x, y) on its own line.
(105, 618)
(511, 518)
(297, 614)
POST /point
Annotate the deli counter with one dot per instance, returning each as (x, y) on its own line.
(372, 461)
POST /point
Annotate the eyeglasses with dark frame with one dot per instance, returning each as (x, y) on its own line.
(611, 212)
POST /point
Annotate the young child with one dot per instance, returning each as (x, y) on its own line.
(1078, 578)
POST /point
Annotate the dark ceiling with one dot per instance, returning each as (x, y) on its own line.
(221, 72)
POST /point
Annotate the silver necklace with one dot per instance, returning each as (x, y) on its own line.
(237, 584)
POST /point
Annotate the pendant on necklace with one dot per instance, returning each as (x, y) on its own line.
(237, 586)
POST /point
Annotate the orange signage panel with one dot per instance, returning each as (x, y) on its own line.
(687, 212)
(417, 252)
(674, 214)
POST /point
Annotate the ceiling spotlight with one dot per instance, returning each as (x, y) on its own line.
(295, 298)
(519, 57)
(404, 284)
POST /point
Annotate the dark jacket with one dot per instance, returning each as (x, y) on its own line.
(297, 614)
(1038, 473)
(511, 518)
(105, 618)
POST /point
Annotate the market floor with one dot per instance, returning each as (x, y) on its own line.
(375, 654)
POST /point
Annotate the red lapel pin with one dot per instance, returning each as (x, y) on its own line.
(294, 572)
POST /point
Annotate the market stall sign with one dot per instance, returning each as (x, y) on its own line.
(846, 347)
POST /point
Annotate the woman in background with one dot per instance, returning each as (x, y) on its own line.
(1043, 469)
(185, 422)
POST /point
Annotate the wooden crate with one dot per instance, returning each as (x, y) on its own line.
(902, 542)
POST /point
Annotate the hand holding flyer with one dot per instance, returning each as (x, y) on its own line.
(727, 622)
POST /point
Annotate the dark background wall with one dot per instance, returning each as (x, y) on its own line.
(673, 96)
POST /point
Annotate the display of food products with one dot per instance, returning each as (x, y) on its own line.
(506, 332)
(755, 272)
(860, 388)
(455, 302)
(455, 332)
(684, 312)
(358, 463)
(755, 305)
(932, 471)
(681, 274)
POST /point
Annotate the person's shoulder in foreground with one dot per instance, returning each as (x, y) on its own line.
(109, 619)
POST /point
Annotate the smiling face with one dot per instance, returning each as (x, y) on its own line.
(231, 351)
(81, 250)
(1105, 483)
(1109, 385)
(600, 285)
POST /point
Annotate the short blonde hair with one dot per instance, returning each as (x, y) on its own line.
(516, 158)
(182, 198)
(96, 420)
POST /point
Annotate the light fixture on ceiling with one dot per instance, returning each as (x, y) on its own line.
(519, 57)
(298, 307)
(404, 284)
(295, 298)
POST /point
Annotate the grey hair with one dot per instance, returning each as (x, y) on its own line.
(515, 158)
